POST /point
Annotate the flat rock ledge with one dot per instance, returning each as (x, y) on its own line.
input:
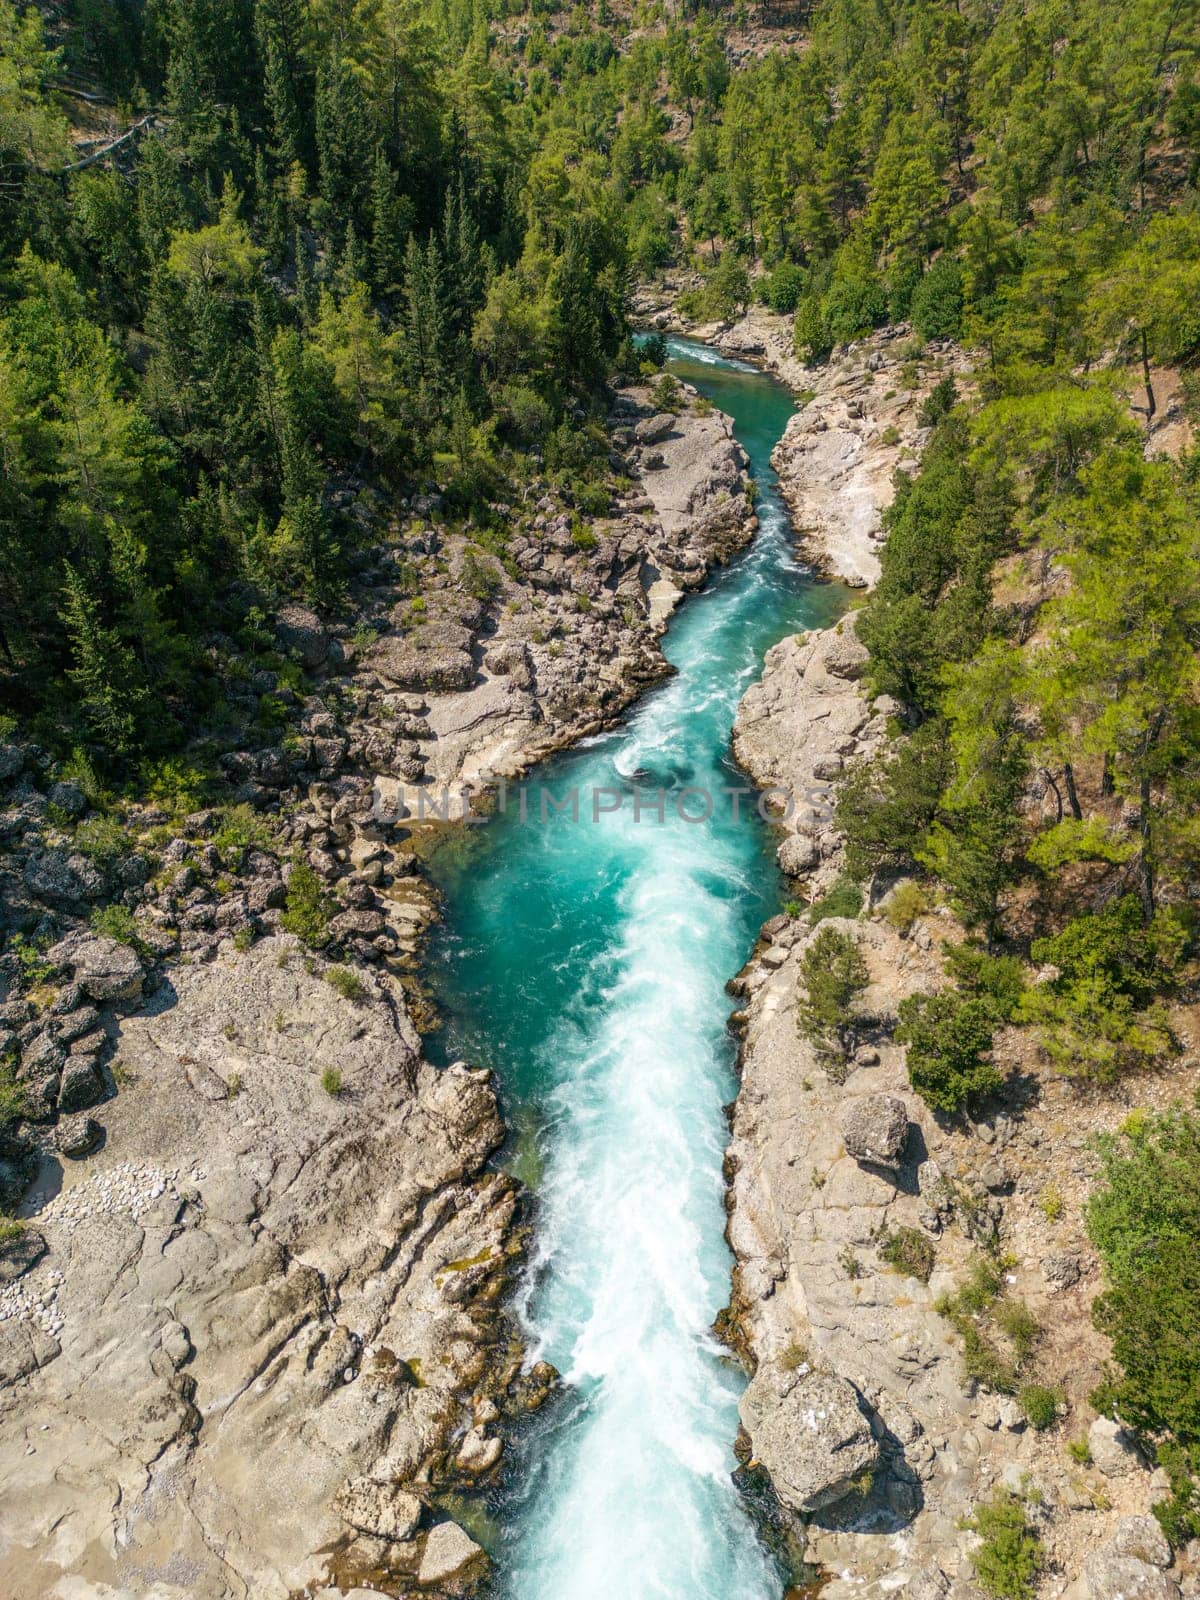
(254, 1327)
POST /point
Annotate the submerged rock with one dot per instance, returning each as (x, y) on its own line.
(810, 1433)
(450, 1554)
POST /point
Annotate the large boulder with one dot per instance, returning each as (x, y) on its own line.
(1112, 1576)
(1143, 1539)
(103, 969)
(875, 1129)
(436, 666)
(810, 1433)
(1113, 1449)
(652, 430)
(373, 1506)
(301, 632)
(65, 880)
(450, 1556)
(19, 1252)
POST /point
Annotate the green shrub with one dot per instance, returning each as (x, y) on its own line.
(307, 908)
(998, 1333)
(904, 905)
(781, 288)
(1010, 1555)
(833, 972)
(997, 981)
(102, 840)
(116, 922)
(1098, 1018)
(14, 1099)
(810, 330)
(885, 805)
(937, 301)
(1144, 1219)
(347, 983)
(843, 900)
(909, 1251)
(331, 1081)
(852, 307)
(239, 828)
(31, 958)
(583, 537)
(948, 1038)
(479, 578)
(1021, 1327)
(666, 394)
(1040, 1405)
(938, 403)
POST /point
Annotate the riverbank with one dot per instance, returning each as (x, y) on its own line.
(263, 1229)
(857, 421)
(853, 1212)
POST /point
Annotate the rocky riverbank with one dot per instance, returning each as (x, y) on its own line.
(858, 420)
(252, 1328)
(856, 1217)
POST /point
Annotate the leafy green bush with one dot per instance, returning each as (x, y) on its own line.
(481, 579)
(347, 983)
(885, 805)
(810, 330)
(14, 1101)
(666, 394)
(331, 1081)
(239, 829)
(910, 1251)
(781, 289)
(833, 972)
(102, 840)
(1098, 1018)
(116, 922)
(852, 307)
(1144, 1218)
(948, 1038)
(904, 905)
(307, 909)
(998, 981)
(1039, 1404)
(31, 958)
(1010, 1555)
(938, 403)
(844, 899)
(937, 301)
(998, 1332)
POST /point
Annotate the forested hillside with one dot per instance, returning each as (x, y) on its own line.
(350, 251)
(275, 274)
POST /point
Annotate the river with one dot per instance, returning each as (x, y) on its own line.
(585, 962)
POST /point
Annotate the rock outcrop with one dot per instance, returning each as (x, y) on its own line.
(263, 1308)
(796, 730)
(875, 1128)
(809, 1431)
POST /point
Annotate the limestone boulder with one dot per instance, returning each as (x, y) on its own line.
(450, 1556)
(1112, 1576)
(810, 1433)
(104, 969)
(875, 1130)
(1143, 1539)
(1113, 1449)
(377, 1507)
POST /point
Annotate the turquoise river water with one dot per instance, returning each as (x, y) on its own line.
(585, 962)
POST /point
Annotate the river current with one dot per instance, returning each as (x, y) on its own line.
(585, 962)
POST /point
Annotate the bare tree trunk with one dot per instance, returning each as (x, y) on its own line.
(1150, 406)
(1072, 795)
